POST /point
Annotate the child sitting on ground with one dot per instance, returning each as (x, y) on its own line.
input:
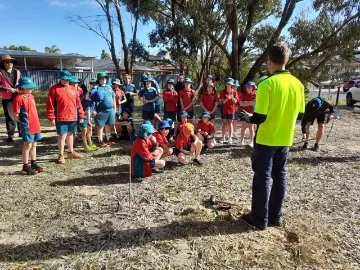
(160, 135)
(184, 118)
(25, 112)
(143, 161)
(188, 144)
(171, 136)
(125, 125)
(206, 131)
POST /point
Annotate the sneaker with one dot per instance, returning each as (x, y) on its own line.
(316, 147)
(223, 140)
(305, 146)
(242, 142)
(251, 144)
(197, 162)
(36, 167)
(230, 140)
(88, 149)
(28, 170)
(250, 220)
(73, 155)
(61, 159)
(93, 147)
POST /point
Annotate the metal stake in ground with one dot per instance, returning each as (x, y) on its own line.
(130, 185)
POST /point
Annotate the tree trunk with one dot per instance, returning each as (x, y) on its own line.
(122, 35)
(134, 36)
(233, 23)
(111, 44)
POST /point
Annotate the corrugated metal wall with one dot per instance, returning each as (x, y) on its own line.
(46, 78)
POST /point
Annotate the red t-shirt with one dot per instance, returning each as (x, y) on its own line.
(182, 141)
(170, 98)
(187, 97)
(119, 96)
(248, 97)
(229, 107)
(209, 100)
(24, 105)
(206, 127)
(180, 127)
(161, 140)
(80, 91)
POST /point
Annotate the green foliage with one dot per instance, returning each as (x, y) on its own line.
(138, 49)
(104, 55)
(18, 48)
(52, 49)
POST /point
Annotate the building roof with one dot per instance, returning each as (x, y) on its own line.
(16, 54)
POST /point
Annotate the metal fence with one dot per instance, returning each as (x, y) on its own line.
(46, 78)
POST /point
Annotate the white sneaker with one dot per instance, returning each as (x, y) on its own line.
(223, 140)
(230, 141)
(251, 144)
(242, 142)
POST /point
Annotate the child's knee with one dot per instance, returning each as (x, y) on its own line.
(160, 163)
(181, 158)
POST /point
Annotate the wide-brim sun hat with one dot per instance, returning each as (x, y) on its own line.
(65, 75)
(188, 129)
(146, 130)
(74, 79)
(250, 83)
(7, 57)
(171, 81)
(184, 114)
(26, 83)
(116, 81)
(93, 80)
(205, 114)
(236, 83)
(170, 121)
(188, 80)
(211, 84)
(229, 81)
(148, 79)
(164, 124)
(210, 76)
(101, 74)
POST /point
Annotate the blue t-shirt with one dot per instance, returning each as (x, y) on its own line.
(107, 103)
(148, 94)
(128, 88)
(87, 104)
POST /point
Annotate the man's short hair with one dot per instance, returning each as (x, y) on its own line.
(279, 53)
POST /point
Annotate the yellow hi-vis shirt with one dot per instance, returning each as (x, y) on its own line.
(281, 98)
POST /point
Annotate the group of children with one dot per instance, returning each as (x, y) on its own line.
(71, 107)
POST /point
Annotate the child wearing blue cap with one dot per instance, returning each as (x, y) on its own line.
(25, 112)
(206, 131)
(144, 161)
(187, 98)
(184, 118)
(125, 125)
(247, 102)
(86, 126)
(148, 95)
(161, 138)
(171, 99)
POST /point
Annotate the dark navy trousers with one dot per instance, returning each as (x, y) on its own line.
(268, 162)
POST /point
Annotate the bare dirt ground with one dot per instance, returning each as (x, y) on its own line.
(76, 216)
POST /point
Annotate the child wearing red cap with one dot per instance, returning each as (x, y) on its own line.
(206, 131)
(25, 112)
(188, 144)
(143, 161)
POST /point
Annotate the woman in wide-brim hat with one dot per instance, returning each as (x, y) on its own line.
(9, 78)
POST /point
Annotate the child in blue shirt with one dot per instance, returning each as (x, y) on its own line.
(86, 126)
(149, 96)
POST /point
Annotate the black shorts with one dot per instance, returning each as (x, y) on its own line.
(228, 116)
(148, 115)
(177, 151)
(320, 119)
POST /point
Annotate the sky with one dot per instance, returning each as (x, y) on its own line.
(43, 23)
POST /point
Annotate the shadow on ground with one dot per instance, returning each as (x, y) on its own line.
(320, 159)
(109, 239)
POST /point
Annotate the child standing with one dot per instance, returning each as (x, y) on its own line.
(86, 126)
(235, 87)
(229, 101)
(142, 160)
(120, 97)
(247, 102)
(25, 112)
(63, 108)
(188, 144)
(187, 98)
(206, 131)
(148, 95)
(209, 100)
(160, 135)
(171, 98)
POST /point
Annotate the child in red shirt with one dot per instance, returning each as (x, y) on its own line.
(187, 98)
(161, 139)
(184, 118)
(229, 100)
(120, 97)
(188, 144)
(209, 100)
(25, 112)
(171, 99)
(247, 102)
(206, 131)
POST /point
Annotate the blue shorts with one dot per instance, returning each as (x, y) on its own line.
(171, 115)
(157, 108)
(84, 124)
(63, 128)
(105, 118)
(148, 115)
(30, 138)
(229, 116)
